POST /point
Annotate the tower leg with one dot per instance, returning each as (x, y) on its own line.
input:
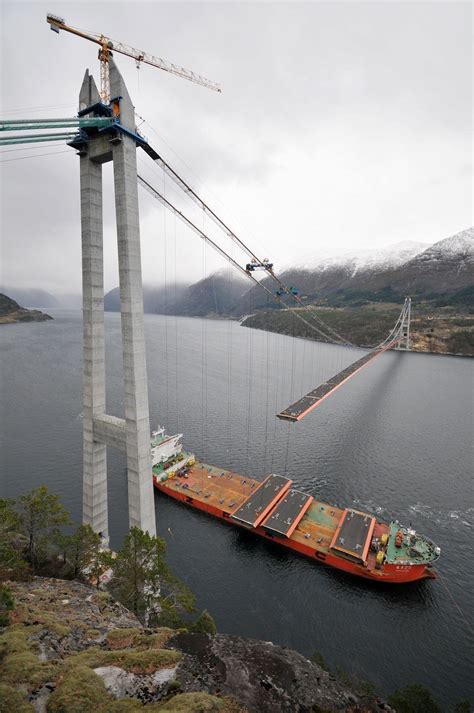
(140, 484)
(404, 331)
(131, 434)
(94, 454)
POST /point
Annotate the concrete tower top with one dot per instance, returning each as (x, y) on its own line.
(118, 89)
(89, 93)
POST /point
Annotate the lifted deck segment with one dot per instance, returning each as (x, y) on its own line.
(304, 405)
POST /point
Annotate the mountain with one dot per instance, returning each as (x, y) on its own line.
(156, 300)
(36, 297)
(386, 258)
(31, 297)
(69, 300)
(214, 295)
(11, 311)
(446, 266)
(440, 272)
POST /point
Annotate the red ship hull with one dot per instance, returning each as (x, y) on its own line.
(389, 573)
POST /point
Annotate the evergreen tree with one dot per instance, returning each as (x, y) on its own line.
(414, 699)
(81, 549)
(12, 564)
(7, 603)
(204, 624)
(100, 563)
(40, 515)
(142, 580)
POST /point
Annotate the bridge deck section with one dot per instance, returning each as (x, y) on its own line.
(353, 535)
(257, 506)
(288, 512)
(301, 408)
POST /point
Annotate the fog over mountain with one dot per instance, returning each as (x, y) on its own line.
(214, 295)
(340, 124)
(31, 297)
(443, 270)
(387, 257)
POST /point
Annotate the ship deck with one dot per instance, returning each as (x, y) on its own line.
(226, 491)
(422, 550)
(275, 510)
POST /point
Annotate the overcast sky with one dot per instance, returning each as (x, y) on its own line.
(340, 126)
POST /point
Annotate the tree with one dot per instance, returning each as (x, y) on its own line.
(7, 603)
(141, 578)
(9, 520)
(12, 564)
(81, 549)
(100, 563)
(40, 515)
(414, 699)
(204, 624)
(462, 707)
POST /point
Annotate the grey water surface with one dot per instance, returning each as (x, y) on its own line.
(395, 441)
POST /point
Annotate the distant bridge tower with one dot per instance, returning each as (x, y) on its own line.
(130, 434)
(404, 332)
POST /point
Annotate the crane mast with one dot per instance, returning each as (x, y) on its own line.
(106, 45)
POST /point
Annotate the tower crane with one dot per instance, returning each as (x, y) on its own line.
(106, 46)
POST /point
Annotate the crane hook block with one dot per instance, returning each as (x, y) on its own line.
(255, 265)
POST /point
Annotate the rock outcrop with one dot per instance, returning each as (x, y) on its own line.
(11, 311)
(71, 649)
(263, 677)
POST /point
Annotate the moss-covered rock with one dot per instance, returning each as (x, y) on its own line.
(16, 639)
(26, 668)
(73, 649)
(126, 705)
(17, 668)
(142, 639)
(139, 662)
(11, 701)
(80, 690)
(192, 702)
(120, 638)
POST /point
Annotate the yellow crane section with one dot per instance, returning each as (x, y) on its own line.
(107, 45)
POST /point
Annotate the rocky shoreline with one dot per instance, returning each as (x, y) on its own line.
(11, 312)
(447, 334)
(71, 647)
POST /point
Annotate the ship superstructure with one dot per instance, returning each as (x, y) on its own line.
(167, 455)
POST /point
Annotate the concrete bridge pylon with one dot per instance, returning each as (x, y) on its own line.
(130, 434)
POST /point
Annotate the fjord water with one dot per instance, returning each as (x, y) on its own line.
(395, 441)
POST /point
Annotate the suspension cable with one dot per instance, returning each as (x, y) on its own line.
(164, 201)
(186, 188)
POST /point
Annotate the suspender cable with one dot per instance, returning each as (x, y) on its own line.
(220, 223)
(164, 201)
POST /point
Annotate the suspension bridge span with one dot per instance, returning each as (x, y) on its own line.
(105, 130)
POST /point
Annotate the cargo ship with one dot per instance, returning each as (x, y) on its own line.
(347, 539)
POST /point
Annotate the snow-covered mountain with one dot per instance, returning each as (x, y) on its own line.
(458, 248)
(446, 266)
(387, 275)
(407, 268)
(385, 258)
